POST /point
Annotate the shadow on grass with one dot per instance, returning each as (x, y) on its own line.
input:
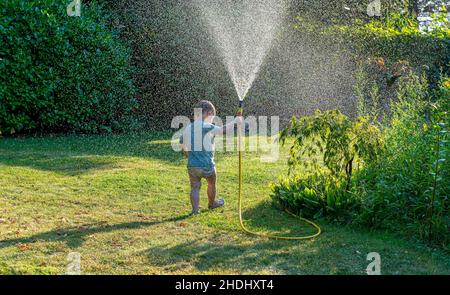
(323, 255)
(248, 254)
(67, 165)
(222, 252)
(75, 155)
(74, 236)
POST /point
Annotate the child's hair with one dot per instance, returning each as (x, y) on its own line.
(207, 107)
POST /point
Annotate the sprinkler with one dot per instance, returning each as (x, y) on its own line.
(241, 182)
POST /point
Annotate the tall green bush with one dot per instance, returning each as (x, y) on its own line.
(330, 148)
(341, 143)
(404, 188)
(407, 188)
(61, 73)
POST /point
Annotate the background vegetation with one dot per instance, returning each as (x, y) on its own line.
(320, 45)
(374, 156)
(61, 73)
(57, 70)
(396, 179)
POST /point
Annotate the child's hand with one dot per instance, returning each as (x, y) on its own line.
(185, 151)
(239, 119)
(185, 154)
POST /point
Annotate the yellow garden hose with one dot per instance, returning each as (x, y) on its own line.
(241, 221)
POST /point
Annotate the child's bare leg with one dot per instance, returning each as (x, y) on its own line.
(195, 192)
(213, 203)
(211, 189)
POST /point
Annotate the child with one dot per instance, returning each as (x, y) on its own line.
(197, 143)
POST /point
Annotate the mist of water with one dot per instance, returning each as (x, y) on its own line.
(243, 31)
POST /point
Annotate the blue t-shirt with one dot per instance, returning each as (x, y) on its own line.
(199, 140)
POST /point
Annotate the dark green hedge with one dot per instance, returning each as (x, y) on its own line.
(61, 73)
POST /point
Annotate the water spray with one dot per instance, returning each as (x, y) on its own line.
(243, 34)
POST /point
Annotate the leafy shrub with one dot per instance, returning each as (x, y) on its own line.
(61, 73)
(438, 215)
(403, 179)
(407, 187)
(315, 196)
(343, 145)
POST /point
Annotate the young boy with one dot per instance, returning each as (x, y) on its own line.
(197, 143)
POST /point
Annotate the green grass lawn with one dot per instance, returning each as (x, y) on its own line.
(122, 203)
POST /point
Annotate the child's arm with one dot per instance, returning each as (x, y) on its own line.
(230, 126)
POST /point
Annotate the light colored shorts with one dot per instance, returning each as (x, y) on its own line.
(199, 173)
